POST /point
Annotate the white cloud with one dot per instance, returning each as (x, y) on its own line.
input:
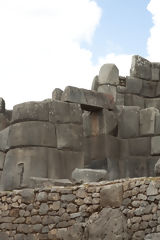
(40, 46)
(153, 44)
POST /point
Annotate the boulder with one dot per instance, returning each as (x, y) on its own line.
(109, 74)
(89, 175)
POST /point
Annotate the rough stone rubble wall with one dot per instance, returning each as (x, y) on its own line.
(126, 209)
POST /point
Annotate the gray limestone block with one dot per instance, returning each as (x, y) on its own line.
(133, 100)
(94, 86)
(149, 89)
(2, 105)
(4, 122)
(155, 71)
(32, 133)
(23, 163)
(37, 182)
(133, 85)
(151, 161)
(108, 89)
(63, 112)
(30, 111)
(147, 121)
(4, 236)
(120, 99)
(113, 168)
(154, 102)
(94, 149)
(136, 166)
(157, 94)
(89, 175)
(57, 94)
(140, 146)
(109, 74)
(157, 124)
(62, 163)
(4, 135)
(69, 136)
(89, 100)
(140, 67)
(2, 159)
(155, 146)
(111, 195)
(128, 122)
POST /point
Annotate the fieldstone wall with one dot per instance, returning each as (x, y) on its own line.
(124, 209)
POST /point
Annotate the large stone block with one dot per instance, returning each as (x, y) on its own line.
(154, 102)
(155, 145)
(147, 121)
(111, 195)
(140, 146)
(140, 67)
(89, 175)
(32, 133)
(157, 124)
(120, 99)
(109, 74)
(133, 85)
(128, 122)
(30, 111)
(63, 112)
(155, 71)
(4, 134)
(57, 94)
(94, 86)
(149, 89)
(136, 166)
(62, 163)
(89, 100)
(108, 89)
(23, 163)
(4, 122)
(133, 100)
(69, 136)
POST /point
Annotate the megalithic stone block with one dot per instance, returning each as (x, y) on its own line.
(147, 121)
(133, 100)
(136, 166)
(30, 111)
(63, 112)
(157, 124)
(69, 136)
(62, 163)
(109, 74)
(128, 122)
(120, 99)
(32, 133)
(155, 145)
(154, 102)
(140, 67)
(95, 84)
(133, 85)
(4, 122)
(149, 89)
(140, 146)
(23, 163)
(108, 89)
(155, 71)
(89, 100)
(4, 135)
(57, 94)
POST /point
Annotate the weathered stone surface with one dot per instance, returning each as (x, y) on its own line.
(22, 163)
(2, 158)
(111, 195)
(4, 139)
(94, 86)
(35, 182)
(136, 166)
(57, 94)
(4, 236)
(63, 112)
(74, 233)
(133, 100)
(152, 236)
(109, 74)
(133, 85)
(2, 105)
(120, 99)
(27, 195)
(89, 175)
(34, 111)
(157, 124)
(140, 146)
(89, 100)
(128, 122)
(157, 168)
(152, 189)
(147, 121)
(63, 165)
(155, 71)
(69, 136)
(155, 146)
(108, 89)
(149, 89)
(109, 224)
(32, 133)
(4, 122)
(154, 102)
(140, 68)
(151, 161)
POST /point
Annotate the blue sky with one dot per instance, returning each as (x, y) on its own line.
(123, 28)
(47, 44)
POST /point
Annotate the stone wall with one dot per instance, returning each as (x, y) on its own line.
(124, 209)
